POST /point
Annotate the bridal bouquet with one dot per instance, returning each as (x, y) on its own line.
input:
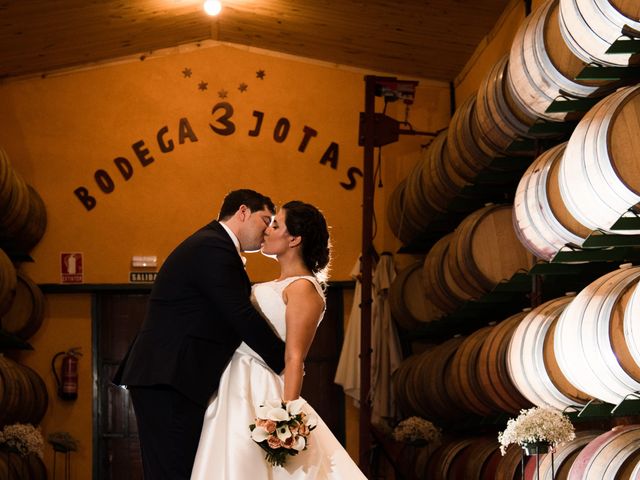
(282, 429)
(537, 425)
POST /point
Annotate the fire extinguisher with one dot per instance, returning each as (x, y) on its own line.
(67, 382)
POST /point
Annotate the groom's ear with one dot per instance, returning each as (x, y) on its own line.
(295, 241)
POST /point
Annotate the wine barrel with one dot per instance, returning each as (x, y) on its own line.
(607, 454)
(498, 124)
(482, 460)
(8, 282)
(465, 386)
(540, 219)
(14, 467)
(30, 232)
(635, 473)
(445, 457)
(36, 467)
(564, 456)
(590, 27)
(466, 155)
(423, 457)
(631, 329)
(15, 214)
(26, 312)
(582, 342)
(23, 394)
(404, 389)
(440, 183)
(484, 250)
(418, 210)
(478, 461)
(542, 67)
(432, 380)
(40, 396)
(599, 177)
(410, 307)
(401, 224)
(6, 179)
(509, 465)
(492, 368)
(394, 214)
(434, 280)
(531, 361)
(17, 395)
(22, 211)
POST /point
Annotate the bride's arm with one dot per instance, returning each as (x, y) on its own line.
(304, 307)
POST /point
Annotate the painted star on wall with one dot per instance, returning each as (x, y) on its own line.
(223, 93)
(260, 74)
(243, 87)
(186, 72)
(203, 85)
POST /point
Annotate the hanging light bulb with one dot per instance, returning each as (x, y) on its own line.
(212, 7)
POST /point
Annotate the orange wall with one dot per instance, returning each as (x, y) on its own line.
(59, 131)
(67, 324)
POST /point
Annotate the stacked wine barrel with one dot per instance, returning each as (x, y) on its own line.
(567, 351)
(591, 455)
(23, 221)
(23, 394)
(461, 376)
(468, 263)
(23, 217)
(564, 353)
(542, 67)
(585, 184)
(23, 397)
(14, 466)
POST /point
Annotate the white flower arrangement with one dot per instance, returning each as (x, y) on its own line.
(23, 438)
(537, 425)
(416, 430)
(282, 429)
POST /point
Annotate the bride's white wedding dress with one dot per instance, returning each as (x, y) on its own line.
(226, 450)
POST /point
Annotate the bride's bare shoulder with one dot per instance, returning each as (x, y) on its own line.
(304, 289)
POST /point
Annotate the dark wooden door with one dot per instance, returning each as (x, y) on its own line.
(117, 319)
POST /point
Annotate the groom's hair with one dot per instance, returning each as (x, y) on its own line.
(253, 200)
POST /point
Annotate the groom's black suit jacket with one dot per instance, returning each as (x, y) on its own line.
(198, 314)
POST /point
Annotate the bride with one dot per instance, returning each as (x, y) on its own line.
(294, 305)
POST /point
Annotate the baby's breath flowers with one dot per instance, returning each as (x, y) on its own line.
(537, 425)
(416, 430)
(23, 438)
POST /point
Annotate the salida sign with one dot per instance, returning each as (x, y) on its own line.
(223, 124)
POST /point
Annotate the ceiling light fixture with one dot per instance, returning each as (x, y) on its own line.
(212, 7)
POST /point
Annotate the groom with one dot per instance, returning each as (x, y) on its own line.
(198, 314)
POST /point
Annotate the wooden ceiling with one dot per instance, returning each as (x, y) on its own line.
(430, 39)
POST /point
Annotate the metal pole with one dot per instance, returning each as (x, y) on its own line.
(365, 264)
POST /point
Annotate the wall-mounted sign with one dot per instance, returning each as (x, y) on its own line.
(142, 277)
(223, 124)
(71, 267)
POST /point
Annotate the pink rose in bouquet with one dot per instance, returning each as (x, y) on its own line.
(282, 429)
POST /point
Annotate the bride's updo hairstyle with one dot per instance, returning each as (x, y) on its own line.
(305, 220)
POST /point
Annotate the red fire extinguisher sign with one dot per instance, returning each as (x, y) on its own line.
(71, 267)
